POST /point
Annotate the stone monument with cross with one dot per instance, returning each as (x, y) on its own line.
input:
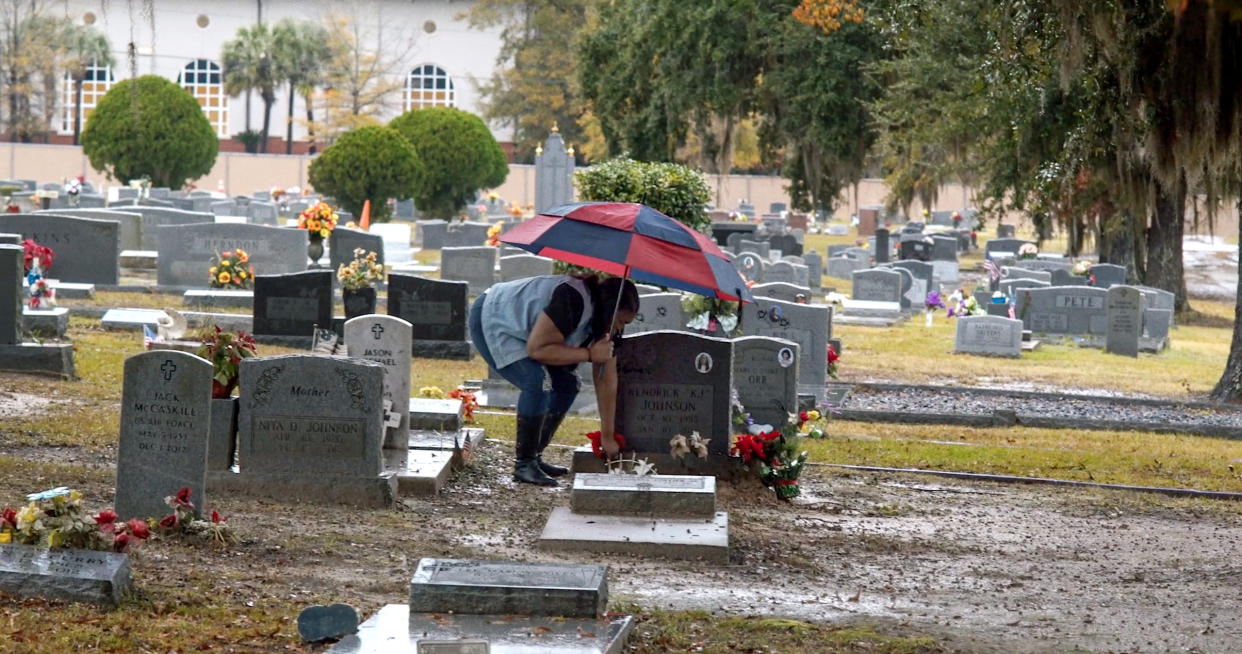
(386, 341)
(554, 173)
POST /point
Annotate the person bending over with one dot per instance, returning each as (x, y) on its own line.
(534, 332)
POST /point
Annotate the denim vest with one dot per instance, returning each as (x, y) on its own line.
(511, 309)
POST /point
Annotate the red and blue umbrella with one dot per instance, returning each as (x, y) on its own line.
(632, 240)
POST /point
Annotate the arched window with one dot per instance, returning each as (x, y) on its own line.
(201, 78)
(428, 86)
(95, 83)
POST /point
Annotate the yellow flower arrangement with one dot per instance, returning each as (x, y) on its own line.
(318, 220)
(361, 272)
(432, 392)
(493, 235)
(232, 270)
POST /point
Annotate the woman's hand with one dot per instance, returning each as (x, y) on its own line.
(601, 350)
(608, 443)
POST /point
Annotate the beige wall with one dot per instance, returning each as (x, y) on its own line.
(243, 174)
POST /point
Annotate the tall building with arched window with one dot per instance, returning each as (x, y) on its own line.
(202, 79)
(428, 86)
(96, 81)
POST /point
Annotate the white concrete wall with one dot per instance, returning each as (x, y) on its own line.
(467, 55)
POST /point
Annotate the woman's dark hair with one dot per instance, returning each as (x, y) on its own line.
(605, 294)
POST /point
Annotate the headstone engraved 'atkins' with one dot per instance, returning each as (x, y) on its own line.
(386, 341)
(165, 427)
(86, 249)
(672, 383)
(292, 304)
(1125, 320)
(992, 335)
(436, 309)
(765, 374)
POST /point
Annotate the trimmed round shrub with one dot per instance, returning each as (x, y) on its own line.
(370, 163)
(460, 154)
(150, 127)
(680, 192)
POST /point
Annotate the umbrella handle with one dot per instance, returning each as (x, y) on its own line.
(615, 308)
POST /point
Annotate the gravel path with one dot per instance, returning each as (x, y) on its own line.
(938, 403)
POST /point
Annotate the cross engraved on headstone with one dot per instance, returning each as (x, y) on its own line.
(377, 331)
(391, 418)
(168, 369)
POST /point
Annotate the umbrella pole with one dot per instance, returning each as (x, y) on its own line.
(611, 318)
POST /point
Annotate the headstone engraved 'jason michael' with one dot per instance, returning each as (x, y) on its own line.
(673, 383)
(165, 428)
(386, 341)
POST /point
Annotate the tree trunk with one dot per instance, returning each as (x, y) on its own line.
(1229, 388)
(1118, 243)
(1164, 243)
(77, 109)
(310, 123)
(267, 123)
(289, 121)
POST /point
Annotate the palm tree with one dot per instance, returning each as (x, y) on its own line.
(303, 49)
(250, 65)
(86, 48)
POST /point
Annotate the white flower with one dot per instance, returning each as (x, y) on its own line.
(757, 429)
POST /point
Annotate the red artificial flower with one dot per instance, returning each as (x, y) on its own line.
(216, 517)
(832, 354)
(121, 544)
(802, 417)
(139, 528)
(169, 521)
(9, 517)
(183, 498)
(748, 447)
(106, 517)
(596, 437)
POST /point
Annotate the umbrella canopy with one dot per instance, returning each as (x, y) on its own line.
(631, 240)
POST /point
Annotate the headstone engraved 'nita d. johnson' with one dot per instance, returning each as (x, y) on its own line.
(165, 429)
(672, 383)
(313, 426)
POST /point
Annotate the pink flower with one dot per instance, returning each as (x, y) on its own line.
(106, 517)
(139, 528)
(121, 544)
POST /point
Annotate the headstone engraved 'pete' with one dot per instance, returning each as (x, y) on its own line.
(386, 341)
(1069, 310)
(673, 383)
(69, 574)
(165, 428)
(765, 374)
(1125, 320)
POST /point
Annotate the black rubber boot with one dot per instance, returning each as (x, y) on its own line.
(550, 423)
(526, 466)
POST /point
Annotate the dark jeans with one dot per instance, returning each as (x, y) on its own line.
(543, 389)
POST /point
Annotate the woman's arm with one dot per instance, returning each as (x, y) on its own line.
(546, 344)
(606, 398)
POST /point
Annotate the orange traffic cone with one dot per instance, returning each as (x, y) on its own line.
(364, 221)
(220, 186)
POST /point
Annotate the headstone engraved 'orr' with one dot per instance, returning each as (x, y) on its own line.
(165, 428)
(765, 374)
(70, 574)
(673, 383)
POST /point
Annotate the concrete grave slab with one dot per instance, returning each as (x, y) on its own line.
(706, 540)
(652, 496)
(467, 587)
(65, 574)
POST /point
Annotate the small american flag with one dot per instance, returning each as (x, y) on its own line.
(149, 337)
(993, 269)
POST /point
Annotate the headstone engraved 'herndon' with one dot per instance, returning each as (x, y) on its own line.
(673, 383)
(165, 428)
